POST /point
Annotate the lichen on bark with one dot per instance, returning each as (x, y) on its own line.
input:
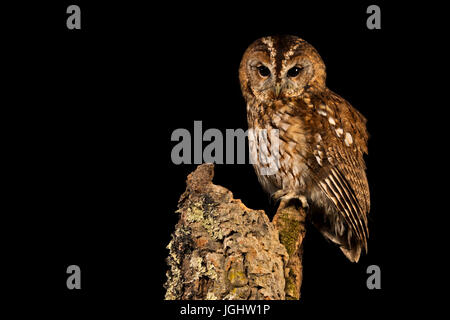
(221, 249)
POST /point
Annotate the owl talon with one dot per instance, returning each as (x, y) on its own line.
(286, 197)
(280, 194)
(304, 202)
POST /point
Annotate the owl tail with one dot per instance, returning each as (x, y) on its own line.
(336, 230)
(352, 253)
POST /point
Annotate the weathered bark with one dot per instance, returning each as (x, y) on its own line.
(290, 222)
(221, 249)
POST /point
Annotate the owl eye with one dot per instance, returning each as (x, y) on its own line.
(263, 71)
(293, 72)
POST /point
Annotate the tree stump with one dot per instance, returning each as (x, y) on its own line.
(221, 249)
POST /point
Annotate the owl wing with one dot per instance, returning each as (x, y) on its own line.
(340, 167)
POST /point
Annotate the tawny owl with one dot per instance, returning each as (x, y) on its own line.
(321, 138)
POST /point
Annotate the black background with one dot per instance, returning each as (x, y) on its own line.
(94, 110)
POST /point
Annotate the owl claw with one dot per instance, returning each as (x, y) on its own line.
(286, 197)
(280, 194)
(304, 201)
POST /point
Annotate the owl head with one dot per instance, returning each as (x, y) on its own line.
(278, 67)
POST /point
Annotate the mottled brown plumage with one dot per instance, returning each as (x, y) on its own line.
(322, 138)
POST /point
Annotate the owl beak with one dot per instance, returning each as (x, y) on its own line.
(277, 90)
